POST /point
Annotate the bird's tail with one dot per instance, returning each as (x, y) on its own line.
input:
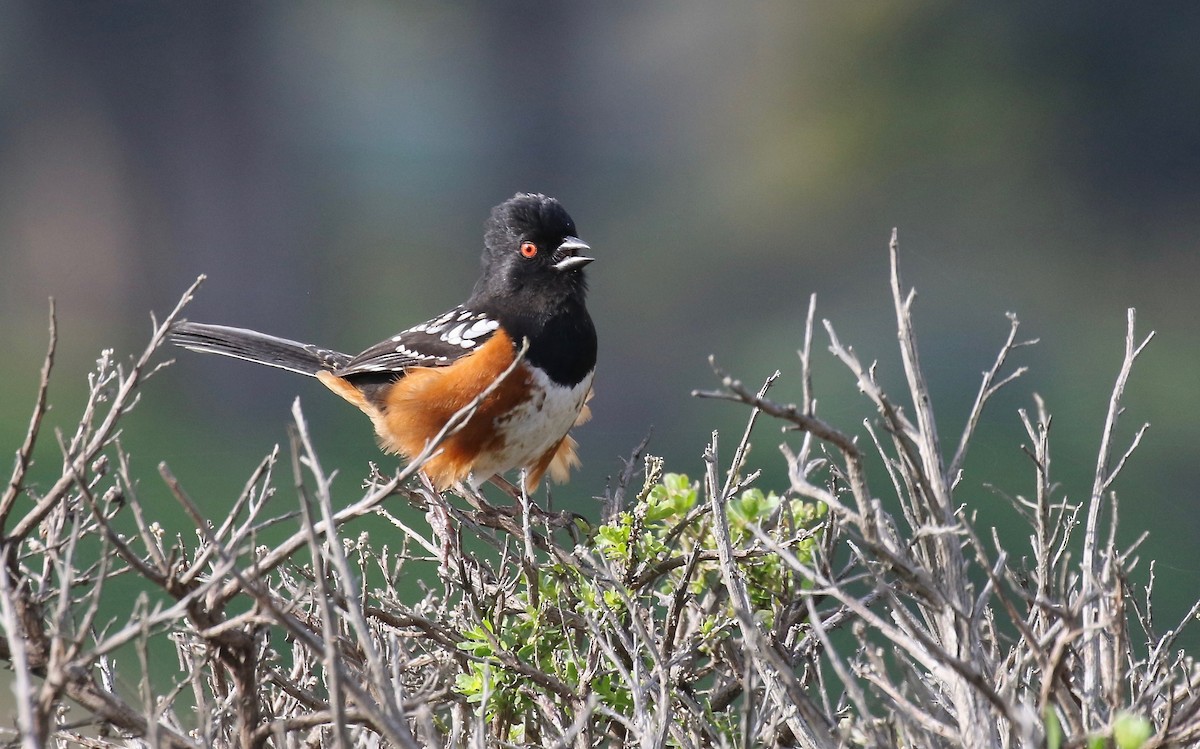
(260, 348)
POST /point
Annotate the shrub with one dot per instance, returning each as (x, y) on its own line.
(833, 611)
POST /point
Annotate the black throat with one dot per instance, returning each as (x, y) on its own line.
(562, 343)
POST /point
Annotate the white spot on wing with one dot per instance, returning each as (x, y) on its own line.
(482, 327)
(454, 337)
(435, 326)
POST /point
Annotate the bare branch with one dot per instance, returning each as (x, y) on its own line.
(25, 452)
(803, 718)
(120, 402)
(989, 387)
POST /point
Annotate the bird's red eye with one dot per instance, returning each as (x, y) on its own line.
(529, 249)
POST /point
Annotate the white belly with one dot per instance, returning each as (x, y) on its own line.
(531, 430)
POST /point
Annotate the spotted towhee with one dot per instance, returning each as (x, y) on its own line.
(530, 296)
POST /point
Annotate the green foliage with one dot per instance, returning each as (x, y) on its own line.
(1131, 731)
(1054, 731)
(572, 623)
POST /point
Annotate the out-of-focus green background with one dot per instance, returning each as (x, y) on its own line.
(329, 166)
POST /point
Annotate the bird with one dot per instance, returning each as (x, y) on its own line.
(525, 316)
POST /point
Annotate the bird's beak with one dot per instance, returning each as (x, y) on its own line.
(569, 251)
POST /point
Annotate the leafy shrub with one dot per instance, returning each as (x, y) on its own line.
(697, 612)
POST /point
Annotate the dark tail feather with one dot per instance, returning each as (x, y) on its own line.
(260, 348)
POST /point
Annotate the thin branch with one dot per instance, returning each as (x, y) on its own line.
(120, 403)
(810, 727)
(989, 387)
(736, 391)
(927, 437)
(32, 725)
(1103, 478)
(353, 605)
(24, 459)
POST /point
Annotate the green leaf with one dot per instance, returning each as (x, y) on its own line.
(1054, 732)
(1131, 731)
(671, 498)
(470, 685)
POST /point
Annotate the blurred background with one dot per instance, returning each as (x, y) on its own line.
(329, 167)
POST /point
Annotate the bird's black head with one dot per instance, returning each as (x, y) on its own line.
(532, 259)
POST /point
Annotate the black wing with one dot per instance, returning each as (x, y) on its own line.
(435, 343)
